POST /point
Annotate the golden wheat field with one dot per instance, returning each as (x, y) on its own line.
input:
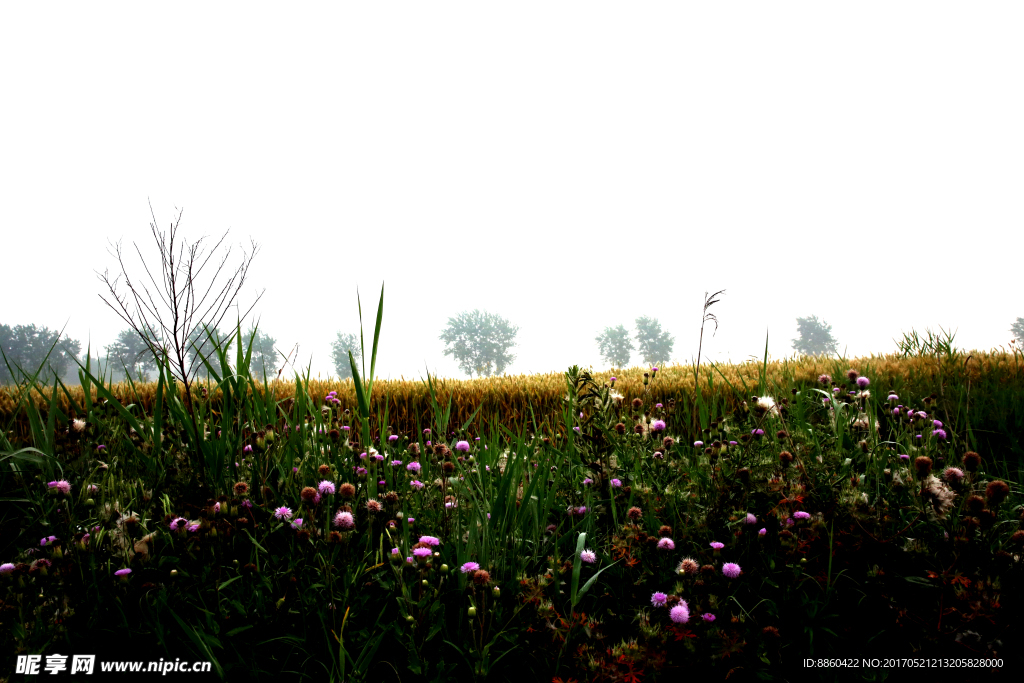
(508, 400)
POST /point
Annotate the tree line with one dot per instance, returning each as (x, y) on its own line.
(480, 342)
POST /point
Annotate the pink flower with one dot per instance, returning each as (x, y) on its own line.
(122, 572)
(680, 613)
(800, 514)
(413, 467)
(731, 569)
(61, 485)
(344, 520)
(326, 487)
(588, 556)
(708, 617)
(666, 544)
(751, 519)
(462, 446)
(430, 540)
(283, 513)
(716, 545)
(659, 599)
(469, 567)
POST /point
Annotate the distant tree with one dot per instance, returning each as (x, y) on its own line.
(815, 337)
(342, 344)
(26, 347)
(655, 346)
(200, 346)
(132, 353)
(1018, 330)
(615, 346)
(480, 341)
(264, 357)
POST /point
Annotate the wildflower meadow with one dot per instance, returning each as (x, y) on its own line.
(744, 523)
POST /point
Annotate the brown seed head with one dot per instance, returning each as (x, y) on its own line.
(308, 495)
(923, 464)
(665, 530)
(975, 504)
(334, 434)
(637, 403)
(852, 375)
(346, 490)
(668, 442)
(240, 488)
(324, 470)
(972, 461)
(785, 457)
(996, 492)
(986, 518)
(481, 577)
(447, 467)
(708, 570)
(770, 632)
(373, 506)
(688, 566)
(391, 497)
(620, 428)
(334, 537)
(635, 514)
(414, 449)
(743, 474)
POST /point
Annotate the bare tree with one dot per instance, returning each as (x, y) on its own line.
(170, 307)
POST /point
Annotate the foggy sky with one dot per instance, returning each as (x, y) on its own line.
(569, 166)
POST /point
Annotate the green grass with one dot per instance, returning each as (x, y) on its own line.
(875, 569)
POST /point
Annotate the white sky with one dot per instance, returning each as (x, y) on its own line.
(567, 165)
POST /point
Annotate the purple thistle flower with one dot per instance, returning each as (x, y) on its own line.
(658, 426)
(413, 467)
(6, 568)
(432, 541)
(122, 572)
(469, 567)
(659, 599)
(680, 613)
(61, 485)
(416, 484)
(892, 397)
(101, 447)
(750, 519)
(178, 523)
(327, 487)
(731, 569)
(758, 432)
(588, 481)
(708, 617)
(800, 514)
(426, 431)
(421, 552)
(762, 532)
(666, 544)
(616, 483)
(344, 520)
(904, 456)
(247, 449)
(657, 405)
(297, 523)
(192, 528)
(396, 463)
(732, 443)
(361, 471)
(863, 382)
(698, 444)
(588, 556)
(939, 434)
(283, 513)
(393, 438)
(936, 423)
(345, 428)
(716, 545)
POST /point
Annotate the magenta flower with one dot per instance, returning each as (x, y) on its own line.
(708, 617)
(297, 523)
(6, 568)
(393, 438)
(800, 514)
(904, 456)
(953, 474)
(659, 599)
(413, 467)
(588, 481)
(680, 613)
(344, 520)
(432, 541)
(892, 397)
(716, 545)
(658, 426)
(61, 485)
(361, 471)
(47, 541)
(762, 532)
(416, 484)
(750, 519)
(666, 544)
(462, 446)
(588, 556)
(423, 553)
(939, 434)
(283, 513)
(178, 523)
(326, 488)
(698, 444)
(469, 567)
(192, 528)
(247, 449)
(616, 483)
(757, 432)
(863, 382)
(93, 489)
(731, 569)
(426, 431)
(122, 572)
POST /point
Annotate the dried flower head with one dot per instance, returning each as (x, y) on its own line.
(996, 492)
(635, 514)
(688, 566)
(346, 490)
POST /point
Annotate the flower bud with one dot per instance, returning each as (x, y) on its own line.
(471, 611)
(496, 591)
(444, 569)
